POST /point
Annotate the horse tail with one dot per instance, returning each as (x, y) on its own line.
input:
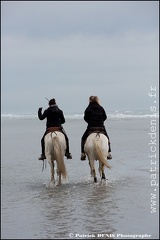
(59, 157)
(100, 156)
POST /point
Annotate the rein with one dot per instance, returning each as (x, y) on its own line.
(97, 130)
(44, 164)
(98, 134)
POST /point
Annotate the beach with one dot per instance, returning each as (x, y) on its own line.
(125, 206)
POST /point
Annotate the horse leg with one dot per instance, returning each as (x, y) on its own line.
(103, 174)
(91, 169)
(101, 170)
(93, 172)
(95, 178)
(59, 182)
(59, 177)
(52, 171)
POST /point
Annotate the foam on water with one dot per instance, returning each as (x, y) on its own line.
(111, 115)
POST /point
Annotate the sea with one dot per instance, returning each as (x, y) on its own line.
(124, 206)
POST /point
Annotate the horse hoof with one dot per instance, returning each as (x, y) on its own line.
(58, 185)
(95, 179)
(104, 179)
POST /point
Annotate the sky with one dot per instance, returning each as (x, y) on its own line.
(70, 50)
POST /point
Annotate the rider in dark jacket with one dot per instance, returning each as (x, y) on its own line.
(95, 116)
(55, 118)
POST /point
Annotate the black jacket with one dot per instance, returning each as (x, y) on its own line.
(54, 116)
(95, 115)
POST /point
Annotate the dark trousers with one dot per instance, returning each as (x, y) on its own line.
(86, 134)
(43, 144)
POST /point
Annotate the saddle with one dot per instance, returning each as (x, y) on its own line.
(53, 129)
(96, 130)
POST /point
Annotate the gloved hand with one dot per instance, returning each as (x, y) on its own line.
(40, 109)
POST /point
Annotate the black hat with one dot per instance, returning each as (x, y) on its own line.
(52, 101)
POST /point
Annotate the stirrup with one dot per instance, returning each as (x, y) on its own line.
(109, 156)
(68, 155)
(83, 156)
(42, 157)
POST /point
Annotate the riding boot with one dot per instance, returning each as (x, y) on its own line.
(83, 140)
(67, 154)
(109, 144)
(83, 155)
(42, 157)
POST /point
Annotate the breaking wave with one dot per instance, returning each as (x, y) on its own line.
(117, 115)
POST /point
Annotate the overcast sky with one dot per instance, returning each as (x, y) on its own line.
(69, 50)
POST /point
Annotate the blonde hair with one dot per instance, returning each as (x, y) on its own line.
(94, 99)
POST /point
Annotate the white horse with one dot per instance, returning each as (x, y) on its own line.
(55, 147)
(96, 148)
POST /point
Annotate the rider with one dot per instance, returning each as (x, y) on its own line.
(55, 118)
(95, 116)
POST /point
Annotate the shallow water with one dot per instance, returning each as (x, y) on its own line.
(119, 207)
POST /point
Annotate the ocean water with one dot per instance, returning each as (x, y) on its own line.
(123, 207)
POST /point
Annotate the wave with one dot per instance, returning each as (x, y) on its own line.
(111, 115)
(19, 116)
(132, 116)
